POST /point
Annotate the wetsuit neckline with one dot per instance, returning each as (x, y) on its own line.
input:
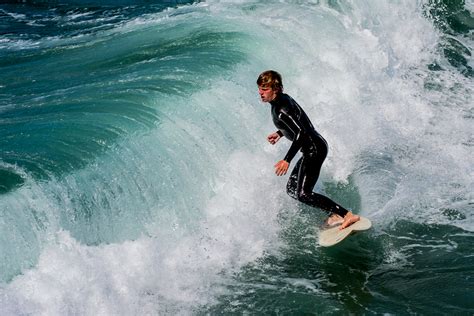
(275, 101)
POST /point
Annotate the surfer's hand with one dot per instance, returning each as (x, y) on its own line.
(281, 167)
(273, 138)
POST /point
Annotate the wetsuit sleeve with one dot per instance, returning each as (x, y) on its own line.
(293, 125)
(280, 133)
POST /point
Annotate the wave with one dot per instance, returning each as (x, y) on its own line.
(136, 159)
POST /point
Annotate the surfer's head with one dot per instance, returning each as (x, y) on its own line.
(269, 85)
(270, 79)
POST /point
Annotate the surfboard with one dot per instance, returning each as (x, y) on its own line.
(333, 235)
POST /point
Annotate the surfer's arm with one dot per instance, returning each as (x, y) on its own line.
(297, 131)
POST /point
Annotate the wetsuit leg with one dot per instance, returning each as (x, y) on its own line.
(291, 186)
(301, 187)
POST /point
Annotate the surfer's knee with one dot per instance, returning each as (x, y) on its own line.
(291, 191)
(303, 197)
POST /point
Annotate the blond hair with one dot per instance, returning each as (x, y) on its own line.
(270, 79)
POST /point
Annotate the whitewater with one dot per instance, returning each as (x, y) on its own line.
(135, 176)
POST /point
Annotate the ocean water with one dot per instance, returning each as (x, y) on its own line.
(135, 177)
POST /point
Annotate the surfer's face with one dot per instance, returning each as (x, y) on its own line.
(267, 94)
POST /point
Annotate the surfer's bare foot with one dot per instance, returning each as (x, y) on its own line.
(349, 219)
(334, 220)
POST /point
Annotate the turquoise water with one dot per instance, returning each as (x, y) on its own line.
(135, 177)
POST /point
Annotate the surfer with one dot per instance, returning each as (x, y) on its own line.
(293, 123)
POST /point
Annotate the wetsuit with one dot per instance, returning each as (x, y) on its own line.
(293, 123)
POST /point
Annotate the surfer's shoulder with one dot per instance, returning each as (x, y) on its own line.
(282, 101)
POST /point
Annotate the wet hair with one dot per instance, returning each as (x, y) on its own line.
(270, 78)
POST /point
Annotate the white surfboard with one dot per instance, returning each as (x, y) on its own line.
(331, 236)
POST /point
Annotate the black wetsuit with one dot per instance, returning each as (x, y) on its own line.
(293, 123)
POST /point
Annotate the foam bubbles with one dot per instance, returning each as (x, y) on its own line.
(160, 273)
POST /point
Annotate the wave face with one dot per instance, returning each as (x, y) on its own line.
(135, 177)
